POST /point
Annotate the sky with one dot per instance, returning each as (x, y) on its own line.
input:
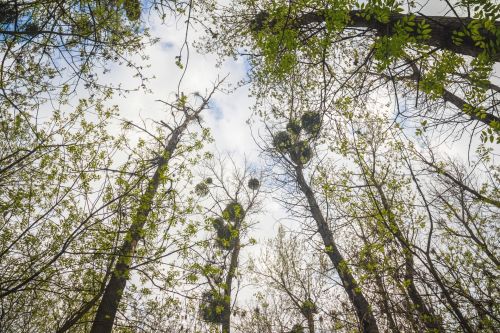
(227, 116)
(228, 113)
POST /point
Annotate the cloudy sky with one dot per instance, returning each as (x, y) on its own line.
(229, 112)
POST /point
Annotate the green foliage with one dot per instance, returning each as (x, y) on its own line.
(308, 307)
(407, 32)
(380, 10)
(279, 49)
(212, 306)
(48, 178)
(233, 212)
(201, 189)
(311, 123)
(282, 141)
(438, 76)
(253, 184)
(55, 41)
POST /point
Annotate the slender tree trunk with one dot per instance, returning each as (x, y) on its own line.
(386, 309)
(106, 312)
(384, 296)
(427, 316)
(362, 307)
(233, 265)
(310, 322)
(384, 299)
(410, 317)
(464, 323)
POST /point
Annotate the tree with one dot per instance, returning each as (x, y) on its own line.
(386, 231)
(290, 269)
(49, 47)
(383, 191)
(53, 197)
(347, 50)
(234, 196)
(108, 305)
(294, 148)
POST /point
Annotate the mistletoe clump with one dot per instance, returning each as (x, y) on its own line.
(233, 212)
(293, 127)
(301, 153)
(311, 122)
(201, 189)
(212, 307)
(253, 183)
(308, 308)
(288, 142)
(221, 228)
(282, 141)
(224, 239)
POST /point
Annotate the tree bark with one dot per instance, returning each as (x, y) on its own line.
(310, 322)
(442, 30)
(426, 313)
(485, 118)
(362, 307)
(226, 315)
(106, 312)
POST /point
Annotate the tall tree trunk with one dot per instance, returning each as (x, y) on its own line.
(233, 265)
(427, 316)
(106, 312)
(362, 307)
(310, 322)
(426, 313)
(441, 35)
(384, 296)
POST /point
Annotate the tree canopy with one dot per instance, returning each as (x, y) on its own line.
(372, 206)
